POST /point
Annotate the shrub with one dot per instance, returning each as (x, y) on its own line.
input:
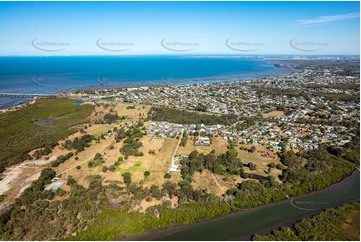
(252, 166)
(252, 149)
(146, 174)
(104, 168)
(111, 168)
(127, 178)
(167, 203)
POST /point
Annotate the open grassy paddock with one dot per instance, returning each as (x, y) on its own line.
(260, 161)
(218, 144)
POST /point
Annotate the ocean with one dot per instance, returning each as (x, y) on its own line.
(50, 75)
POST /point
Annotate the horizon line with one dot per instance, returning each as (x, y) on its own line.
(195, 54)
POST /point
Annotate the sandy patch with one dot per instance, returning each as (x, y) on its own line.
(274, 114)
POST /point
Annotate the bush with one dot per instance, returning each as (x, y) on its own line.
(111, 118)
(61, 159)
(127, 178)
(78, 167)
(252, 166)
(167, 204)
(111, 168)
(70, 181)
(167, 176)
(60, 192)
(244, 175)
(104, 168)
(252, 149)
(146, 174)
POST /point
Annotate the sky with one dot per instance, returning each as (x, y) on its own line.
(161, 28)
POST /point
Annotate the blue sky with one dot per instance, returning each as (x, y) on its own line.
(134, 28)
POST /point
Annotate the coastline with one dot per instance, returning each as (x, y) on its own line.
(155, 234)
(163, 81)
(21, 105)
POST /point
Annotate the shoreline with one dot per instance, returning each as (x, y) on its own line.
(154, 234)
(280, 71)
(21, 105)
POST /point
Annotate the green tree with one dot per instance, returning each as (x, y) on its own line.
(146, 174)
(127, 178)
(111, 168)
(252, 149)
(167, 175)
(104, 168)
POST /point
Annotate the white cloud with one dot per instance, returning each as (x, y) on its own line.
(327, 19)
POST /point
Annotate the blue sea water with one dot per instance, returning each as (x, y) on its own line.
(44, 75)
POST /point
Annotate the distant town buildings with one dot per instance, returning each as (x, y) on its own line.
(302, 110)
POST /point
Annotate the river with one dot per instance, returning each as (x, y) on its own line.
(243, 224)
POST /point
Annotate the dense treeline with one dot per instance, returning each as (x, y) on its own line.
(298, 93)
(35, 191)
(131, 144)
(342, 86)
(350, 151)
(194, 205)
(226, 163)
(106, 227)
(112, 118)
(36, 216)
(21, 133)
(78, 144)
(296, 179)
(325, 226)
(185, 117)
(45, 151)
(130, 147)
(61, 159)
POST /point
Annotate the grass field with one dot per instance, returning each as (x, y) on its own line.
(109, 150)
(132, 114)
(24, 130)
(162, 163)
(218, 144)
(213, 183)
(261, 162)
